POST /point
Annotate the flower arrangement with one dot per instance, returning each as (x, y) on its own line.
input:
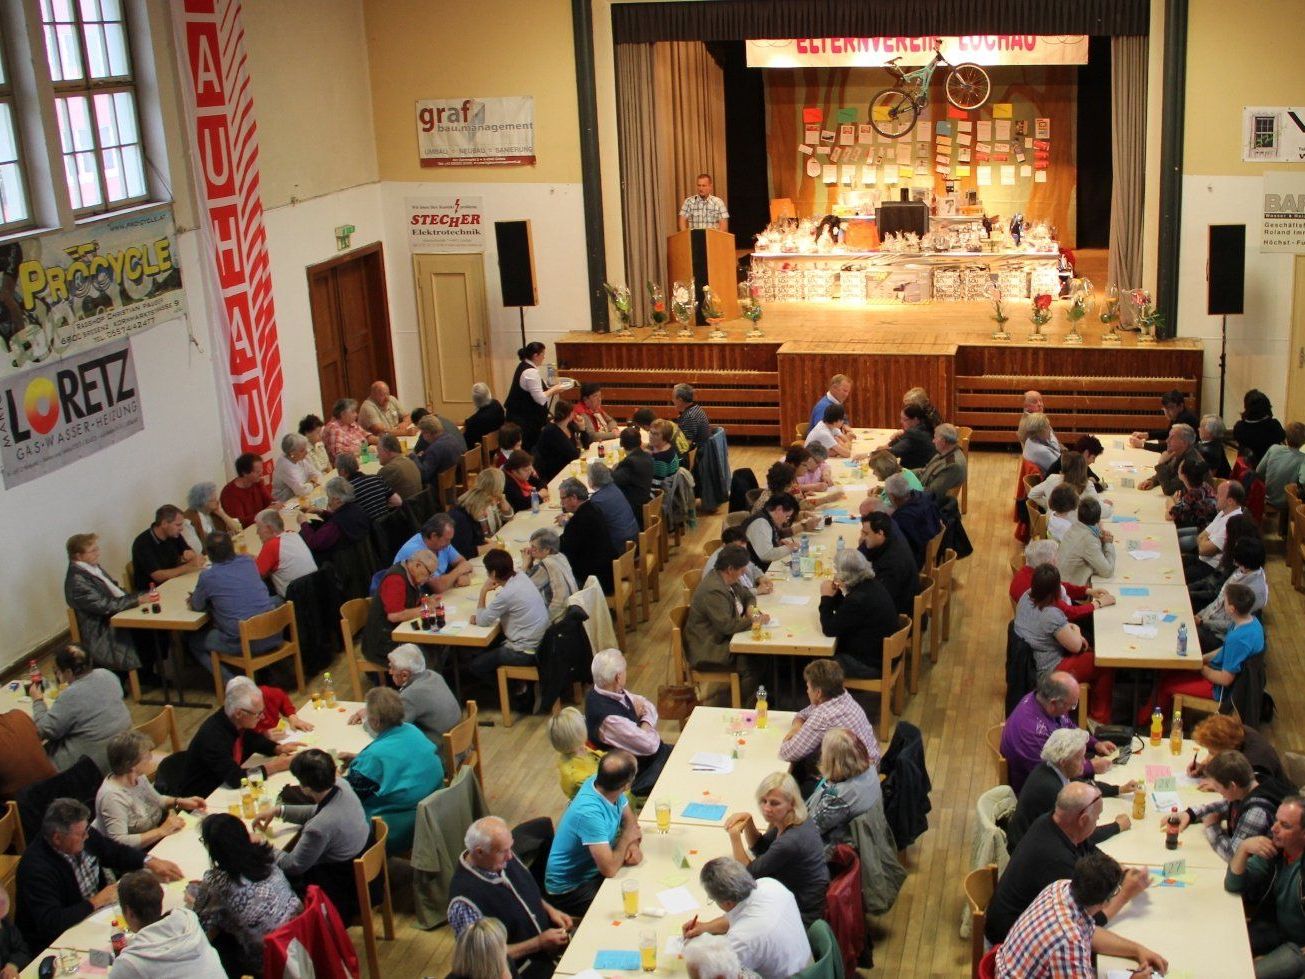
(995, 296)
(620, 299)
(1080, 302)
(750, 304)
(1040, 314)
(682, 305)
(1147, 319)
(711, 310)
(658, 301)
(1110, 306)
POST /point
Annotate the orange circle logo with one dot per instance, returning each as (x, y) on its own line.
(41, 403)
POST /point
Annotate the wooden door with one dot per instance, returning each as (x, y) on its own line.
(454, 328)
(1296, 355)
(351, 325)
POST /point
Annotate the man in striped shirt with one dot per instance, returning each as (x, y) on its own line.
(693, 420)
(371, 493)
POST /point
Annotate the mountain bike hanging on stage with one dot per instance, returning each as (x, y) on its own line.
(894, 111)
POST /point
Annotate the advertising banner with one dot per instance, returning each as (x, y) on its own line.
(911, 52)
(476, 132)
(65, 410)
(64, 293)
(445, 224)
(1273, 134)
(1284, 212)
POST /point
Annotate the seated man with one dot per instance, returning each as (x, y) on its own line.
(230, 590)
(946, 470)
(1282, 466)
(452, 570)
(381, 413)
(692, 419)
(1174, 405)
(753, 578)
(622, 528)
(890, 556)
(159, 553)
(617, 718)
(63, 875)
(761, 920)
(550, 571)
(1228, 498)
(1178, 446)
(400, 590)
(720, 608)
(428, 703)
(284, 557)
(633, 475)
(536, 931)
(1209, 444)
(840, 389)
(916, 515)
(488, 417)
(586, 538)
(248, 493)
(371, 493)
(218, 749)
(1039, 712)
(437, 449)
(161, 943)
(399, 473)
(1267, 870)
(1247, 807)
(510, 599)
(831, 706)
(1057, 935)
(1214, 621)
(597, 836)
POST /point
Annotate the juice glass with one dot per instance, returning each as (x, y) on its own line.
(663, 810)
(630, 897)
(648, 950)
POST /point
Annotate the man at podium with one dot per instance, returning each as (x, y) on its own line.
(704, 209)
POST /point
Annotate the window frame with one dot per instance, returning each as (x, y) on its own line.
(9, 98)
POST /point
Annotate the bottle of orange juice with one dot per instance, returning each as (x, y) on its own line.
(1157, 727)
(1176, 733)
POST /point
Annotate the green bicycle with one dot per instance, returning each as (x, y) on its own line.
(894, 111)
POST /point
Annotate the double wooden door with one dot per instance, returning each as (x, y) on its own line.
(351, 325)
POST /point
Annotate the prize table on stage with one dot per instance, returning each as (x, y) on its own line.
(331, 732)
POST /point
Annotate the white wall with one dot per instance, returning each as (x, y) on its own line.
(1258, 341)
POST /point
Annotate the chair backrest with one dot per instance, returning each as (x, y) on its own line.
(735, 519)
(942, 572)
(353, 619)
(74, 630)
(923, 599)
(693, 458)
(801, 429)
(979, 886)
(270, 623)
(488, 446)
(992, 737)
(623, 569)
(473, 461)
(162, 727)
(931, 550)
(712, 546)
(827, 960)
(679, 665)
(650, 546)
(170, 776)
(691, 579)
(1031, 480)
(421, 505)
(653, 508)
(11, 830)
(461, 745)
(445, 487)
(369, 864)
(391, 531)
(895, 647)
(1037, 522)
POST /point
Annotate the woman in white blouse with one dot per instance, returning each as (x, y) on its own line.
(527, 400)
(204, 514)
(128, 809)
(1074, 472)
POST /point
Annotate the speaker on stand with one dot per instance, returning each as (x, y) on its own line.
(1225, 274)
(516, 268)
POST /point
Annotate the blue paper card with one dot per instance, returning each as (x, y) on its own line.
(1124, 519)
(1170, 618)
(619, 959)
(1135, 592)
(852, 464)
(837, 511)
(847, 520)
(703, 810)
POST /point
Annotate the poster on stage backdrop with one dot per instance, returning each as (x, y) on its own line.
(476, 132)
(1284, 213)
(68, 292)
(445, 224)
(1273, 134)
(875, 52)
(58, 412)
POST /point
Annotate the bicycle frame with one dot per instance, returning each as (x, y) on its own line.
(920, 77)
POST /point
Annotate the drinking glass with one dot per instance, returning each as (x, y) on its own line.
(630, 897)
(648, 950)
(663, 810)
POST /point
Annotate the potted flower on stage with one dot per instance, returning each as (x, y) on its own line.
(1145, 316)
(750, 304)
(658, 315)
(620, 299)
(712, 313)
(1079, 305)
(683, 306)
(1110, 314)
(1041, 316)
(998, 312)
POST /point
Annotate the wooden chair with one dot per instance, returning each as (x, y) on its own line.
(1031, 480)
(735, 519)
(421, 505)
(1185, 702)
(681, 670)
(652, 511)
(1293, 763)
(979, 887)
(461, 747)
(446, 488)
(931, 551)
(265, 626)
(624, 594)
(1037, 521)
(800, 431)
(941, 625)
(923, 604)
(648, 563)
(531, 675)
(12, 845)
(75, 637)
(473, 461)
(964, 434)
(162, 727)
(353, 619)
(993, 739)
(488, 447)
(1295, 541)
(891, 684)
(712, 546)
(367, 868)
(691, 579)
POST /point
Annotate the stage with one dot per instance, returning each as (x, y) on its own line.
(763, 387)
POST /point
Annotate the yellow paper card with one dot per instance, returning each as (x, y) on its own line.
(1002, 110)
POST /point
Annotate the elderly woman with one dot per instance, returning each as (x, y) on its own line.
(95, 598)
(661, 446)
(884, 464)
(810, 462)
(915, 446)
(243, 896)
(1076, 601)
(549, 570)
(486, 504)
(1209, 443)
(1220, 733)
(481, 952)
(710, 957)
(790, 850)
(488, 416)
(128, 809)
(576, 759)
(857, 611)
(204, 514)
(848, 786)
(593, 422)
(396, 771)
(87, 714)
(1063, 757)
(1038, 446)
(343, 433)
(558, 445)
(294, 475)
(311, 428)
(343, 521)
(397, 599)
(520, 480)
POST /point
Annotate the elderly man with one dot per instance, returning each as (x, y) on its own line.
(452, 570)
(633, 475)
(1041, 711)
(399, 473)
(721, 608)
(549, 571)
(1210, 542)
(1209, 444)
(586, 538)
(284, 557)
(1047, 853)
(622, 528)
(440, 450)
(63, 877)
(248, 493)
(761, 920)
(381, 413)
(840, 389)
(161, 944)
(1179, 446)
(294, 475)
(915, 514)
(1174, 405)
(692, 419)
(617, 718)
(511, 600)
(831, 706)
(159, 553)
(890, 556)
(428, 703)
(398, 598)
(218, 750)
(371, 493)
(596, 836)
(491, 882)
(1267, 870)
(488, 416)
(231, 590)
(946, 470)
(1086, 548)
(343, 433)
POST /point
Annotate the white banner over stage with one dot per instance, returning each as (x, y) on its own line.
(476, 132)
(875, 52)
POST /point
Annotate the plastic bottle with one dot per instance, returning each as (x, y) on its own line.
(795, 564)
(1139, 802)
(756, 632)
(34, 680)
(425, 613)
(1176, 733)
(328, 689)
(534, 502)
(763, 709)
(1182, 639)
(1172, 828)
(439, 612)
(602, 451)
(1157, 727)
(838, 547)
(806, 545)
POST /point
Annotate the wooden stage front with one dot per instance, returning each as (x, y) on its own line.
(762, 388)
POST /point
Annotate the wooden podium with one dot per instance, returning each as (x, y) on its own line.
(706, 256)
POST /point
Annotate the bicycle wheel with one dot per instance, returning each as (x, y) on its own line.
(968, 86)
(893, 113)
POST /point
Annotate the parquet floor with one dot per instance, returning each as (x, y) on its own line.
(959, 699)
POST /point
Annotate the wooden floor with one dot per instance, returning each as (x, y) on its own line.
(958, 700)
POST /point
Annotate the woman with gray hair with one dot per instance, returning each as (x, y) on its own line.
(1077, 602)
(344, 521)
(294, 474)
(481, 952)
(1063, 757)
(343, 433)
(710, 957)
(488, 416)
(857, 611)
(204, 514)
(549, 570)
(128, 809)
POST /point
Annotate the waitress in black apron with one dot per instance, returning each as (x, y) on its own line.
(527, 401)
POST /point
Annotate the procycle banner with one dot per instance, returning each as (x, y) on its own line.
(67, 409)
(462, 132)
(71, 291)
(911, 52)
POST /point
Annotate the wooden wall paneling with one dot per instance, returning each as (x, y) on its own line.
(667, 355)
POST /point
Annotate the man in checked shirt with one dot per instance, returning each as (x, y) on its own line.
(704, 209)
(831, 706)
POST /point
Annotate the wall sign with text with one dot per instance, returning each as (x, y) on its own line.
(445, 224)
(1284, 213)
(1273, 134)
(476, 132)
(875, 52)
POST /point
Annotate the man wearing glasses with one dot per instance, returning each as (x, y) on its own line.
(1267, 869)
(219, 748)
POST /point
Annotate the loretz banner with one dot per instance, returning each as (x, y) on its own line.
(476, 132)
(66, 410)
(875, 52)
(64, 293)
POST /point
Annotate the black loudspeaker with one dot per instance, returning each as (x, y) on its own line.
(1227, 269)
(516, 263)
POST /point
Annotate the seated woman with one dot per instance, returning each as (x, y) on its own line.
(1247, 808)
(884, 464)
(243, 896)
(558, 445)
(1222, 732)
(87, 713)
(549, 570)
(1057, 643)
(313, 429)
(790, 850)
(1062, 510)
(591, 418)
(204, 514)
(1073, 472)
(487, 504)
(915, 446)
(661, 446)
(1039, 447)
(343, 522)
(128, 809)
(481, 952)
(1194, 505)
(520, 479)
(848, 786)
(577, 760)
(812, 465)
(95, 597)
(396, 771)
(858, 611)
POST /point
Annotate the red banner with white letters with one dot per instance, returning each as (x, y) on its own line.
(224, 137)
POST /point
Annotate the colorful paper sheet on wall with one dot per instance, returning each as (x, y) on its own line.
(955, 113)
(984, 131)
(1008, 176)
(827, 136)
(1042, 128)
(847, 134)
(868, 175)
(965, 126)
(865, 134)
(846, 115)
(813, 114)
(1002, 110)
(811, 135)
(1001, 130)
(984, 175)
(924, 130)
(829, 174)
(944, 128)
(804, 148)
(905, 173)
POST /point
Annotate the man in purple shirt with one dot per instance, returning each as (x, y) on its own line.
(1041, 711)
(231, 591)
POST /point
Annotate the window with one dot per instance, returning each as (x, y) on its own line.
(88, 51)
(15, 210)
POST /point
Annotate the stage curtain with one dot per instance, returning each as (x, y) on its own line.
(642, 179)
(1128, 150)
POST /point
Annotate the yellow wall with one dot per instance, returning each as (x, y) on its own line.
(473, 48)
(1238, 54)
